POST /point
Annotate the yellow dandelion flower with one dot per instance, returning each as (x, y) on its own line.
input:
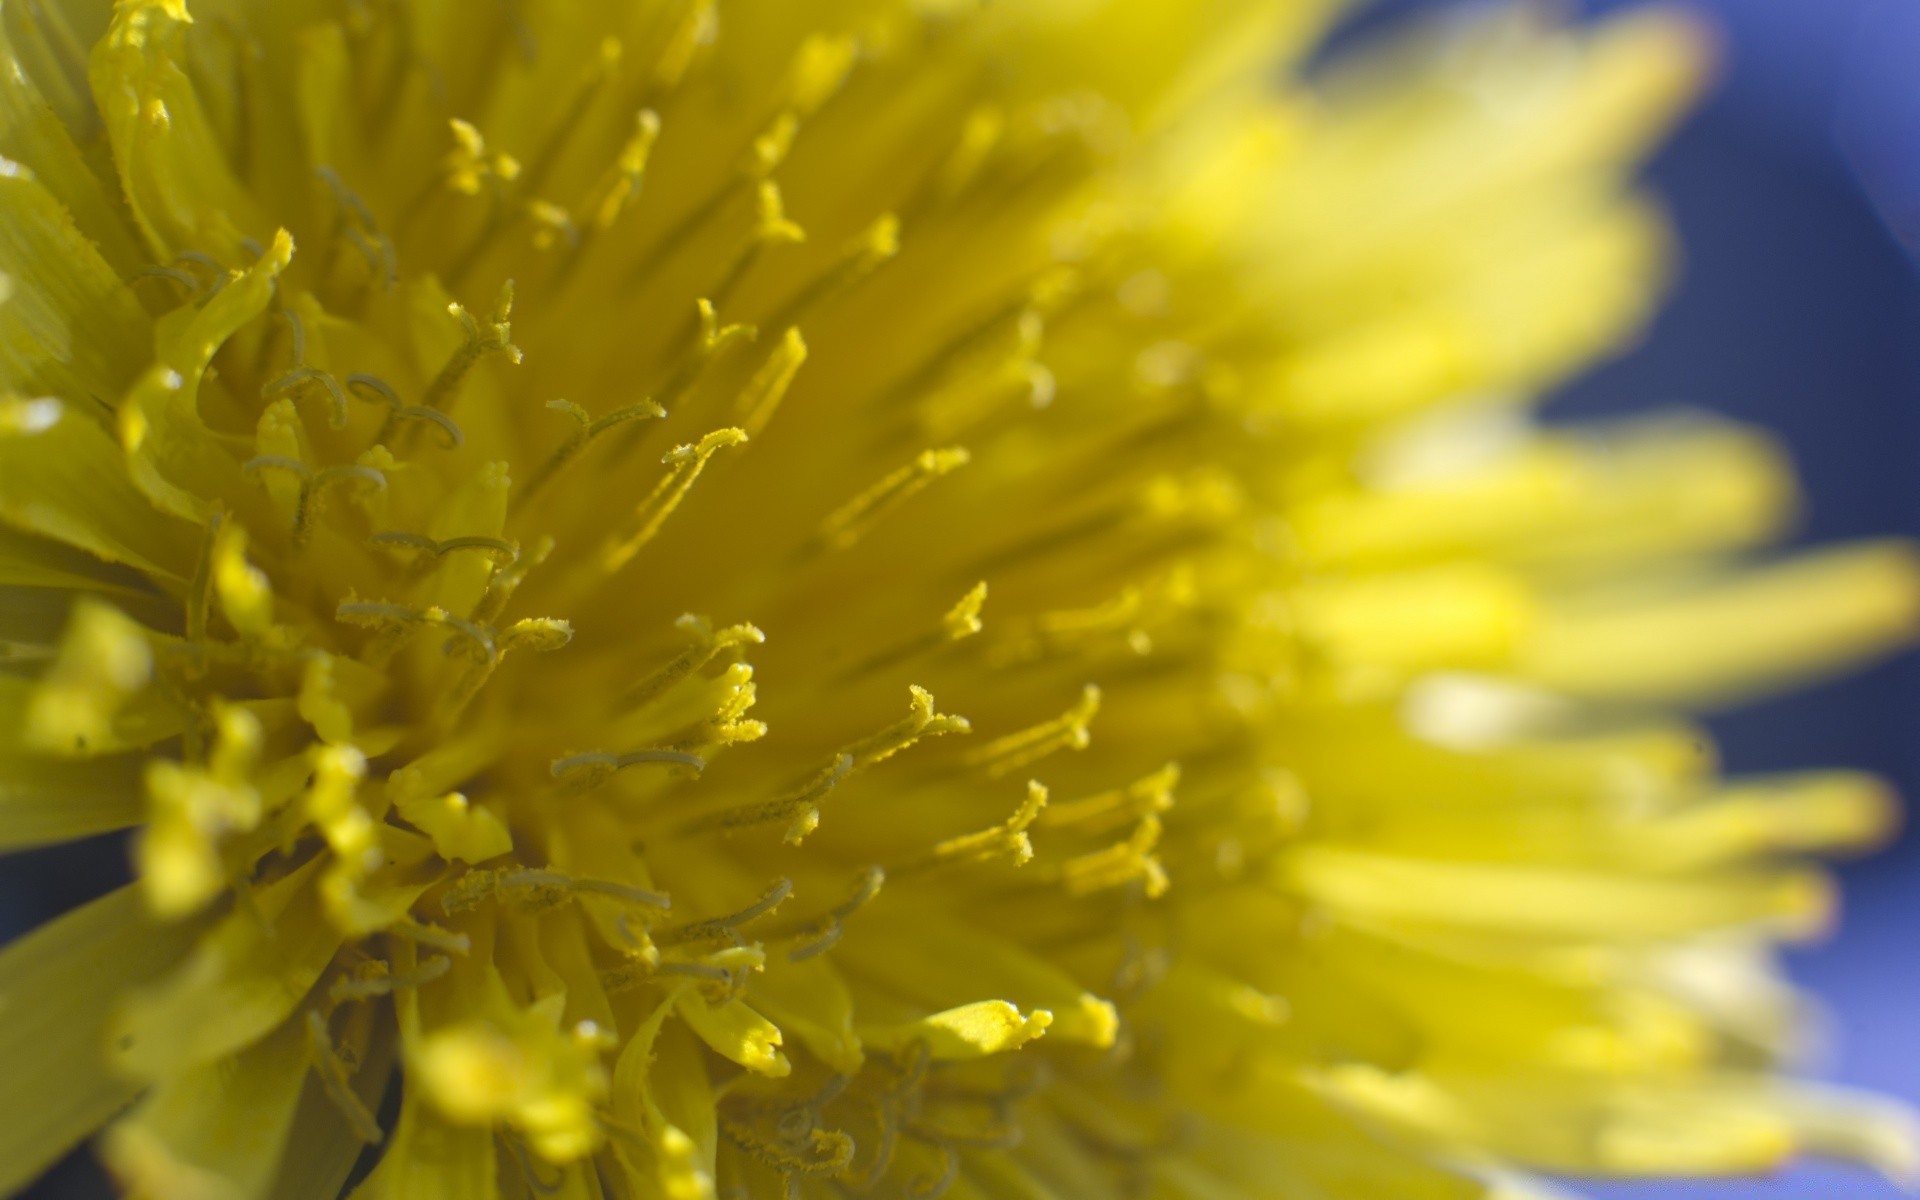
(739, 598)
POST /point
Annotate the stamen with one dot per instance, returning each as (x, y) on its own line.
(505, 582)
(697, 27)
(799, 807)
(588, 430)
(312, 484)
(1002, 756)
(685, 463)
(552, 226)
(394, 619)
(502, 552)
(468, 168)
(376, 390)
(825, 1152)
(299, 374)
(693, 970)
(961, 621)
(1119, 864)
(763, 393)
(921, 721)
(334, 1080)
(771, 228)
(819, 935)
(878, 245)
(706, 340)
(581, 773)
(541, 889)
(493, 338)
(376, 979)
(706, 646)
(537, 1183)
(620, 187)
(857, 517)
(356, 224)
(458, 944)
(1150, 795)
(723, 928)
(1008, 838)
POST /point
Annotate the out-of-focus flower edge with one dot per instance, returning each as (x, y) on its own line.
(490, 493)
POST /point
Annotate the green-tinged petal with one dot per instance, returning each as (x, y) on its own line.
(323, 1146)
(62, 477)
(58, 986)
(249, 972)
(49, 800)
(215, 1130)
(970, 1031)
(69, 327)
(178, 181)
(28, 561)
(942, 962)
(35, 136)
(171, 454)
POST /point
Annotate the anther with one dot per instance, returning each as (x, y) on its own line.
(1119, 864)
(375, 390)
(458, 944)
(960, 622)
(495, 337)
(1009, 838)
(722, 928)
(1108, 810)
(587, 428)
(391, 619)
(763, 393)
(621, 185)
(173, 275)
(823, 932)
(920, 722)
(374, 979)
(501, 551)
(707, 645)
(771, 228)
(799, 807)
(299, 373)
(1005, 755)
(855, 519)
(684, 465)
(356, 224)
(312, 484)
(581, 773)
(506, 582)
(876, 246)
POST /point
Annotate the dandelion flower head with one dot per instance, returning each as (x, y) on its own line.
(742, 598)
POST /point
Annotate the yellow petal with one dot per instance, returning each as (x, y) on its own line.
(217, 1130)
(970, 1031)
(252, 974)
(58, 987)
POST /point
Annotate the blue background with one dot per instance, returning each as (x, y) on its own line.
(1797, 192)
